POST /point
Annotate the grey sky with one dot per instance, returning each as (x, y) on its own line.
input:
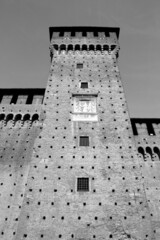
(24, 42)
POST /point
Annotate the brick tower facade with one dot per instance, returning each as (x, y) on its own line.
(83, 179)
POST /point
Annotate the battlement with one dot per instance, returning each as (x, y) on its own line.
(148, 126)
(89, 39)
(80, 32)
(22, 96)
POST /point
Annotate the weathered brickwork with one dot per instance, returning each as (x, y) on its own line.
(41, 158)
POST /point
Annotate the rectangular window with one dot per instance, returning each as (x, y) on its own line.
(84, 141)
(79, 65)
(83, 184)
(84, 84)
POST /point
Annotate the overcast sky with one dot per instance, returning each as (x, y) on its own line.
(24, 43)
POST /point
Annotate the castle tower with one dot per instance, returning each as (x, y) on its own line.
(84, 180)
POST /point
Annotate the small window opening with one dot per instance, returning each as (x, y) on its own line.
(55, 47)
(83, 184)
(84, 85)
(35, 117)
(157, 151)
(91, 47)
(98, 48)
(84, 141)
(84, 47)
(63, 47)
(77, 47)
(141, 151)
(2, 116)
(79, 65)
(105, 47)
(70, 47)
(26, 117)
(18, 117)
(149, 151)
(9, 117)
(113, 47)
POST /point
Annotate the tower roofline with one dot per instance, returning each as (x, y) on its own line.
(84, 29)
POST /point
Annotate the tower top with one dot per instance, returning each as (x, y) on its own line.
(60, 31)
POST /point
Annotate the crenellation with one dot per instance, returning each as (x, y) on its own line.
(22, 99)
(21, 96)
(67, 35)
(79, 35)
(105, 41)
(37, 99)
(6, 99)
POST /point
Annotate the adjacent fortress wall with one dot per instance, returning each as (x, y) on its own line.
(19, 127)
(148, 148)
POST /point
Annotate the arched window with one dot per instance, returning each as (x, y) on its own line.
(105, 48)
(84, 47)
(63, 47)
(113, 47)
(141, 151)
(70, 47)
(17, 117)
(55, 47)
(35, 117)
(77, 47)
(149, 151)
(9, 117)
(2, 116)
(157, 151)
(98, 48)
(26, 117)
(91, 48)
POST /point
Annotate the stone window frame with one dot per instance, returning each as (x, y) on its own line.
(79, 65)
(86, 186)
(83, 83)
(85, 97)
(84, 142)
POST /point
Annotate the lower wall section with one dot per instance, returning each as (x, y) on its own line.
(26, 195)
(16, 147)
(149, 158)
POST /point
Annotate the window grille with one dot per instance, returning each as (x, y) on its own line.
(84, 85)
(84, 141)
(83, 184)
(79, 65)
